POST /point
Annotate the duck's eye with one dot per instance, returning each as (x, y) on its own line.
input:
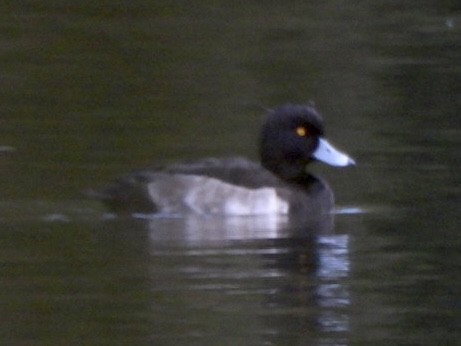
(301, 131)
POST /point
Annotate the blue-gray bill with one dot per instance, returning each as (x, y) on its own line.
(326, 153)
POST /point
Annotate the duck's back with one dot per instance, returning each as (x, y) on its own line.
(233, 170)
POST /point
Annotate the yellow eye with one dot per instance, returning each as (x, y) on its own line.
(301, 131)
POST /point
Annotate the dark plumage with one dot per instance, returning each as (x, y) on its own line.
(291, 137)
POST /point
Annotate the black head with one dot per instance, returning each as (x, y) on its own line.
(291, 137)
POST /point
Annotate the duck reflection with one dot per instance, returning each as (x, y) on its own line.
(285, 281)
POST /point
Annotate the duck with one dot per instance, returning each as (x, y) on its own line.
(291, 137)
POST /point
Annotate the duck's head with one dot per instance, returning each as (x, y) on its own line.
(292, 136)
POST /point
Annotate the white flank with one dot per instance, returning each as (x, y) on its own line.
(203, 195)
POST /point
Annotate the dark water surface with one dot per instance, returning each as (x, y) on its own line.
(90, 90)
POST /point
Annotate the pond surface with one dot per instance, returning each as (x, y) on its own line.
(90, 91)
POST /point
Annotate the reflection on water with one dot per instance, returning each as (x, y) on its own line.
(278, 289)
(175, 281)
(199, 229)
(332, 290)
(91, 90)
(6, 148)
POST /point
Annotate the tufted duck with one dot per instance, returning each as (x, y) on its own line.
(291, 138)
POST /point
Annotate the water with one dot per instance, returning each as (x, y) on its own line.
(92, 90)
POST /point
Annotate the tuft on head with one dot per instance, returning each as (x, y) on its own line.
(298, 114)
(289, 136)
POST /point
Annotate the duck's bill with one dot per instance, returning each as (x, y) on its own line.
(326, 153)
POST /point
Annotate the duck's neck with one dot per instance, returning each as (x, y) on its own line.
(293, 172)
